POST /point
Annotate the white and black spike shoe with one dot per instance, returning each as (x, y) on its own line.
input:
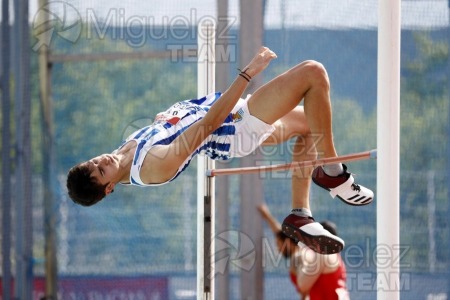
(343, 186)
(311, 234)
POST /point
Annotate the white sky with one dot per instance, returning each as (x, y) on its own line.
(294, 13)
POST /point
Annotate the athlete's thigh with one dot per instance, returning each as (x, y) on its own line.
(291, 125)
(280, 95)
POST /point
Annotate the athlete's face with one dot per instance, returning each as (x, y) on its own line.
(104, 168)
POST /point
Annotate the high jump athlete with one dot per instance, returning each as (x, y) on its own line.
(223, 126)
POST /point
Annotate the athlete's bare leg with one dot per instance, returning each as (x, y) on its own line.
(299, 225)
(277, 103)
(308, 81)
(294, 125)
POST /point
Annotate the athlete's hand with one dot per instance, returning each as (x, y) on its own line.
(264, 210)
(260, 61)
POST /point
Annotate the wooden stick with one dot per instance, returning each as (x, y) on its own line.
(293, 165)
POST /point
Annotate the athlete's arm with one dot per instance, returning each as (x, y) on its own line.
(160, 170)
(274, 225)
(309, 270)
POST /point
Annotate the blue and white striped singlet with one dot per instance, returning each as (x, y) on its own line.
(170, 124)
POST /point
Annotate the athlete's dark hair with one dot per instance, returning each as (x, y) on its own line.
(288, 244)
(84, 189)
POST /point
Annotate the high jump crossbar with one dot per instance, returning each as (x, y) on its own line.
(294, 165)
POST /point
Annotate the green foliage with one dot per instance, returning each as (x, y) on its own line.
(425, 106)
(94, 103)
(424, 152)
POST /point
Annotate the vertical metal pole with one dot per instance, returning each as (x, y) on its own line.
(49, 181)
(431, 205)
(27, 169)
(6, 150)
(251, 188)
(222, 182)
(18, 174)
(24, 216)
(51, 269)
(205, 185)
(388, 144)
(448, 132)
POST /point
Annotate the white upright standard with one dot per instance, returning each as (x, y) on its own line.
(205, 184)
(388, 145)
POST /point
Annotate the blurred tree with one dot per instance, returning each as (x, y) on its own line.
(94, 102)
(424, 123)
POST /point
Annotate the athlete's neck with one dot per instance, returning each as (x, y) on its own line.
(125, 155)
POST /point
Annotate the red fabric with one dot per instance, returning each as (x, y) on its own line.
(328, 286)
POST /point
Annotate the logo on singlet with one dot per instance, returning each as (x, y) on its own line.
(162, 117)
(237, 116)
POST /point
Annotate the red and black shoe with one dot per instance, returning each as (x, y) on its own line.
(343, 187)
(312, 234)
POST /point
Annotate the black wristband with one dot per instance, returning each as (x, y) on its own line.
(244, 74)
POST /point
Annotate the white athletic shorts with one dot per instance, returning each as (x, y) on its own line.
(250, 133)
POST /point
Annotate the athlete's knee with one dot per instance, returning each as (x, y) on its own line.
(317, 74)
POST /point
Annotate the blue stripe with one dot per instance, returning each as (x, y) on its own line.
(229, 119)
(138, 135)
(213, 148)
(190, 114)
(221, 131)
(213, 145)
(138, 150)
(153, 132)
(169, 139)
(144, 130)
(225, 130)
(198, 101)
(213, 155)
(134, 181)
